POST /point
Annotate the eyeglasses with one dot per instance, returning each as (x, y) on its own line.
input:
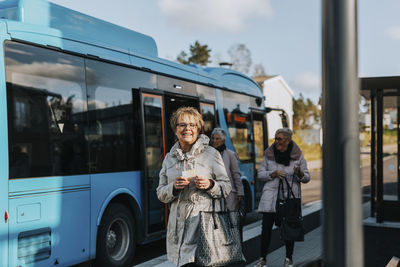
(187, 125)
(279, 139)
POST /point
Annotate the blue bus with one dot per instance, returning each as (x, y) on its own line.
(84, 111)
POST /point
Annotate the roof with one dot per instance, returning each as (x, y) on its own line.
(77, 26)
(265, 80)
(232, 79)
(261, 79)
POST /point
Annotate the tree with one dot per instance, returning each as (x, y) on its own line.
(182, 58)
(259, 70)
(199, 54)
(299, 113)
(240, 58)
(306, 113)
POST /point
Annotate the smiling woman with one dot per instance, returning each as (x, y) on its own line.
(186, 122)
(192, 174)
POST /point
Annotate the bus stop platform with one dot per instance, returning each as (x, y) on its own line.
(304, 251)
(311, 249)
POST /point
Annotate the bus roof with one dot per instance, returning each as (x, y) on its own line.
(45, 23)
(77, 26)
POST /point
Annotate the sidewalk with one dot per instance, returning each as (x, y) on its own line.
(314, 165)
(304, 252)
(251, 239)
(309, 250)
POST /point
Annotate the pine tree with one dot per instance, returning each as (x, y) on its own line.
(199, 54)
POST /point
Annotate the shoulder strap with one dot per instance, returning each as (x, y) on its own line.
(289, 188)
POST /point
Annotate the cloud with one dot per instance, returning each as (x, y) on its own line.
(393, 32)
(213, 15)
(307, 83)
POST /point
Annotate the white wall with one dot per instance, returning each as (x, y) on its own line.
(278, 95)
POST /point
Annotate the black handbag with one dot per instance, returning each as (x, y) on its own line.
(288, 214)
(242, 208)
(218, 242)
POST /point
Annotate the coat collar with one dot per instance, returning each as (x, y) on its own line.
(198, 147)
(294, 155)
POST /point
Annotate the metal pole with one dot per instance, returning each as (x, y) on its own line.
(398, 147)
(379, 156)
(342, 212)
(373, 153)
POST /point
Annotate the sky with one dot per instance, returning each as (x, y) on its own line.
(282, 35)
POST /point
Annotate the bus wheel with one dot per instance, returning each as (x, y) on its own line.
(116, 237)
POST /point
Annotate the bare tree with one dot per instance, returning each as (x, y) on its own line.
(240, 58)
(259, 70)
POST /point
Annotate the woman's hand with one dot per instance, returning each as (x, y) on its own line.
(180, 183)
(298, 173)
(278, 174)
(203, 183)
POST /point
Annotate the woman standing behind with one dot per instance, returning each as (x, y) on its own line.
(282, 159)
(230, 159)
(191, 176)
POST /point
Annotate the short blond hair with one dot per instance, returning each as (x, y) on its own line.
(189, 111)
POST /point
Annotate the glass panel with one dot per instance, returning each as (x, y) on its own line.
(113, 117)
(237, 115)
(206, 92)
(365, 144)
(154, 156)
(176, 86)
(258, 138)
(46, 112)
(390, 153)
(259, 151)
(208, 113)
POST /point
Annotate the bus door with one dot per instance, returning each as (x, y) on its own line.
(207, 110)
(259, 145)
(154, 148)
(172, 103)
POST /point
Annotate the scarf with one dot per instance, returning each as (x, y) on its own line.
(283, 157)
(221, 148)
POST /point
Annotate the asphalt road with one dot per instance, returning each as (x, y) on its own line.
(312, 190)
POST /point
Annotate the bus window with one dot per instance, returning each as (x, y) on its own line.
(113, 123)
(175, 85)
(46, 104)
(238, 119)
(205, 92)
(208, 113)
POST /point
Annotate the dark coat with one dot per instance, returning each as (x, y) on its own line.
(231, 162)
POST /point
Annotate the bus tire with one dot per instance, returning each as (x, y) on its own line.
(116, 242)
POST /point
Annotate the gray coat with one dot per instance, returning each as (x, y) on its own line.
(270, 189)
(183, 220)
(231, 162)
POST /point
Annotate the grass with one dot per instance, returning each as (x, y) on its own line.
(314, 151)
(311, 152)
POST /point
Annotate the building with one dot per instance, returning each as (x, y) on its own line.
(277, 95)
